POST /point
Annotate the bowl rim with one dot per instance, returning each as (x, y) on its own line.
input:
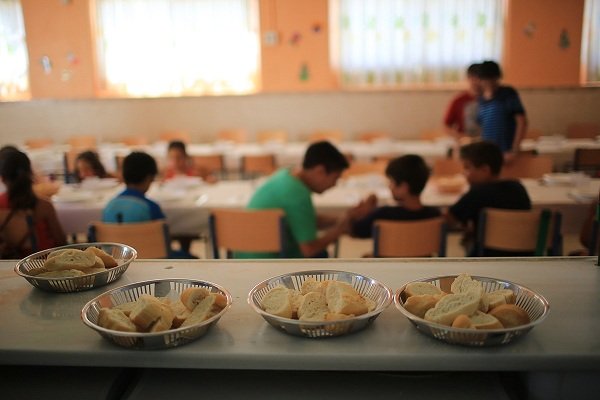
(24, 260)
(308, 324)
(98, 328)
(422, 321)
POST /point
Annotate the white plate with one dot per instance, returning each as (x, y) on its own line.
(166, 196)
(99, 184)
(583, 195)
(72, 197)
(572, 178)
(182, 182)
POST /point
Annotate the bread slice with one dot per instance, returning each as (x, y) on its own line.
(342, 298)
(107, 259)
(116, 320)
(277, 302)
(419, 304)
(192, 296)
(203, 311)
(310, 285)
(420, 288)
(464, 283)
(147, 311)
(482, 320)
(180, 313)
(313, 307)
(510, 315)
(452, 305)
(70, 259)
(65, 273)
(462, 321)
(126, 307)
(296, 299)
(164, 322)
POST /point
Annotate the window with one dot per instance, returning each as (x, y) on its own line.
(387, 43)
(177, 47)
(590, 52)
(14, 82)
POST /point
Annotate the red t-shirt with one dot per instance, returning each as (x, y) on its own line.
(455, 115)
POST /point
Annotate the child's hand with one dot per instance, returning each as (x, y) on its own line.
(363, 208)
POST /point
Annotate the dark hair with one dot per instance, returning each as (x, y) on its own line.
(7, 148)
(474, 70)
(15, 169)
(325, 154)
(490, 70)
(483, 153)
(177, 145)
(91, 158)
(137, 166)
(411, 169)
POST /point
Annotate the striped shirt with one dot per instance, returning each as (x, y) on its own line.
(497, 117)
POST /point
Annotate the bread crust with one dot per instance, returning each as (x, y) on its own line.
(107, 259)
(511, 315)
(419, 304)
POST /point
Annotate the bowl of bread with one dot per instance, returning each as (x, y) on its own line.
(320, 303)
(471, 310)
(76, 267)
(157, 314)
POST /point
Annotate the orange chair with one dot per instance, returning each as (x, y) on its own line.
(527, 166)
(233, 135)
(533, 134)
(406, 238)
(447, 167)
(272, 137)
(258, 164)
(433, 134)
(211, 163)
(328, 135)
(587, 160)
(170, 136)
(150, 239)
(583, 130)
(83, 142)
(372, 136)
(39, 143)
(365, 168)
(136, 140)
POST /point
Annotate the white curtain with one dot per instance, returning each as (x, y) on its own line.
(590, 49)
(14, 64)
(387, 43)
(177, 47)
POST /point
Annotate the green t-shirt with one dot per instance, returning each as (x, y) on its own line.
(288, 193)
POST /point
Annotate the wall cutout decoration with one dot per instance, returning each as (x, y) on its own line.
(529, 29)
(565, 41)
(304, 73)
(46, 64)
(316, 28)
(295, 38)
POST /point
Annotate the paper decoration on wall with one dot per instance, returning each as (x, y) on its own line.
(270, 38)
(46, 64)
(304, 73)
(72, 59)
(316, 27)
(295, 38)
(66, 75)
(565, 41)
(529, 29)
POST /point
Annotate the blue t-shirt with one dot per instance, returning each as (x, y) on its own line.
(496, 117)
(131, 206)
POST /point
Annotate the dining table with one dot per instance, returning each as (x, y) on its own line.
(42, 334)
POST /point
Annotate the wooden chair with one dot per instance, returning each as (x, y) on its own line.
(372, 136)
(38, 143)
(527, 166)
(248, 231)
(331, 136)
(150, 239)
(447, 167)
(83, 142)
(583, 130)
(433, 134)
(211, 163)
(17, 233)
(272, 137)
(170, 136)
(422, 238)
(257, 164)
(69, 158)
(136, 140)
(233, 135)
(587, 160)
(365, 168)
(533, 134)
(531, 232)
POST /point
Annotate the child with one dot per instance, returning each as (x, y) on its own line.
(482, 162)
(407, 177)
(88, 165)
(461, 115)
(179, 163)
(19, 198)
(501, 113)
(132, 205)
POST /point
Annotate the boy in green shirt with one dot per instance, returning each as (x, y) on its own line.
(290, 190)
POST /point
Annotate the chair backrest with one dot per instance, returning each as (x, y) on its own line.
(150, 239)
(258, 164)
(433, 134)
(83, 141)
(211, 163)
(365, 168)
(527, 166)
(421, 238)
(17, 233)
(533, 133)
(447, 167)
(331, 136)
(518, 231)
(169, 136)
(587, 160)
(135, 140)
(372, 136)
(233, 135)
(38, 143)
(583, 130)
(247, 231)
(277, 136)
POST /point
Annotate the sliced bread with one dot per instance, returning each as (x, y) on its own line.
(452, 305)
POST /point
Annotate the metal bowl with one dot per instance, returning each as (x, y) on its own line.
(535, 304)
(122, 253)
(368, 287)
(171, 288)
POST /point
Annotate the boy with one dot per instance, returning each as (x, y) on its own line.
(132, 205)
(291, 190)
(461, 115)
(407, 177)
(501, 113)
(482, 162)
